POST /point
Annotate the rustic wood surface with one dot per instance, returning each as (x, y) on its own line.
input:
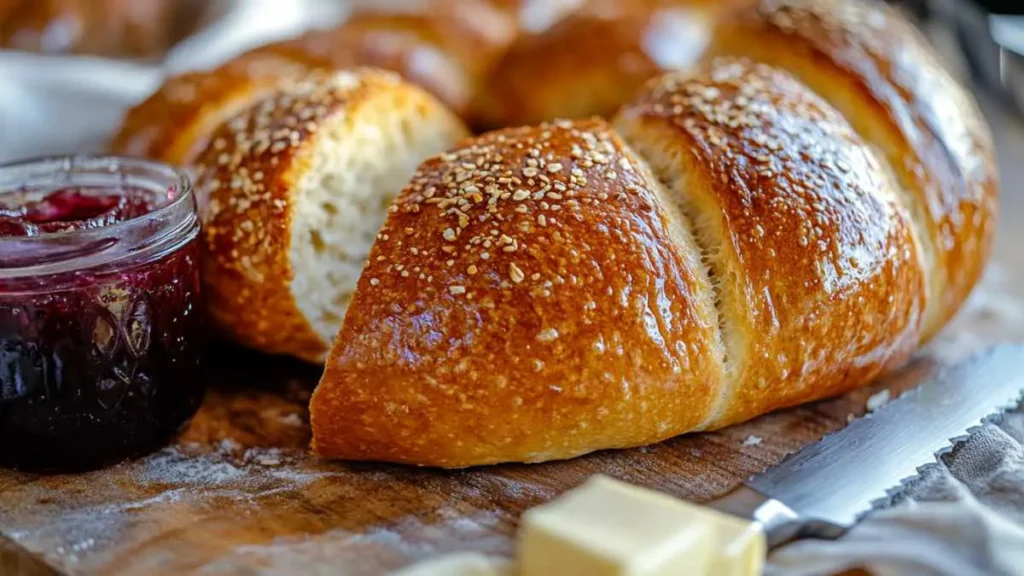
(238, 493)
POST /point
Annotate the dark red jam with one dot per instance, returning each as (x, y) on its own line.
(100, 323)
(71, 209)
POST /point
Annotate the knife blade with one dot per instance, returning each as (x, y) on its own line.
(826, 487)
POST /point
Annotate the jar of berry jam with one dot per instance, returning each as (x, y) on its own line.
(101, 323)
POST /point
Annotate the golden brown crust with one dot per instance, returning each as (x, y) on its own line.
(246, 180)
(593, 60)
(175, 123)
(523, 302)
(820, 280)
(881, 74)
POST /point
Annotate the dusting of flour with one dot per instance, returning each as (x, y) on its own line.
(157, 515)
(114, 509)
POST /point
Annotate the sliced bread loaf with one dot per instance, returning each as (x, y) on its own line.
(293, 192)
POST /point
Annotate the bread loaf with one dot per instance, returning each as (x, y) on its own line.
(746, 252)
(879, 72)
(593, 60)
(743, 240)
(292, 192)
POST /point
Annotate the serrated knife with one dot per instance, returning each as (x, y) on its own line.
(823, 489)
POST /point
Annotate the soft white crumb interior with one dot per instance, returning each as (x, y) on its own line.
(358, 164)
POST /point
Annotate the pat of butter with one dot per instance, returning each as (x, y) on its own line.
(740, 545)
(609, 528)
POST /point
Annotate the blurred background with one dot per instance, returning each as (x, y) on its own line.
(70, 68)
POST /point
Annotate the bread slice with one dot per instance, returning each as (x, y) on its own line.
(293, 192)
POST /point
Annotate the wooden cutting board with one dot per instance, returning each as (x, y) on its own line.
(238, 493)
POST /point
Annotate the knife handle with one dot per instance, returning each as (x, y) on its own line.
(781, 524)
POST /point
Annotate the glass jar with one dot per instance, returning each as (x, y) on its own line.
(101, 322)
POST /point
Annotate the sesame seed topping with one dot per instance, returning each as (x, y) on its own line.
(514, 193)
(515, 273)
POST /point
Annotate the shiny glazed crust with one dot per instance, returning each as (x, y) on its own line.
(880, 73)
(818, 276)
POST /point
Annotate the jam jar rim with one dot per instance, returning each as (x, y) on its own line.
(175, 223)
